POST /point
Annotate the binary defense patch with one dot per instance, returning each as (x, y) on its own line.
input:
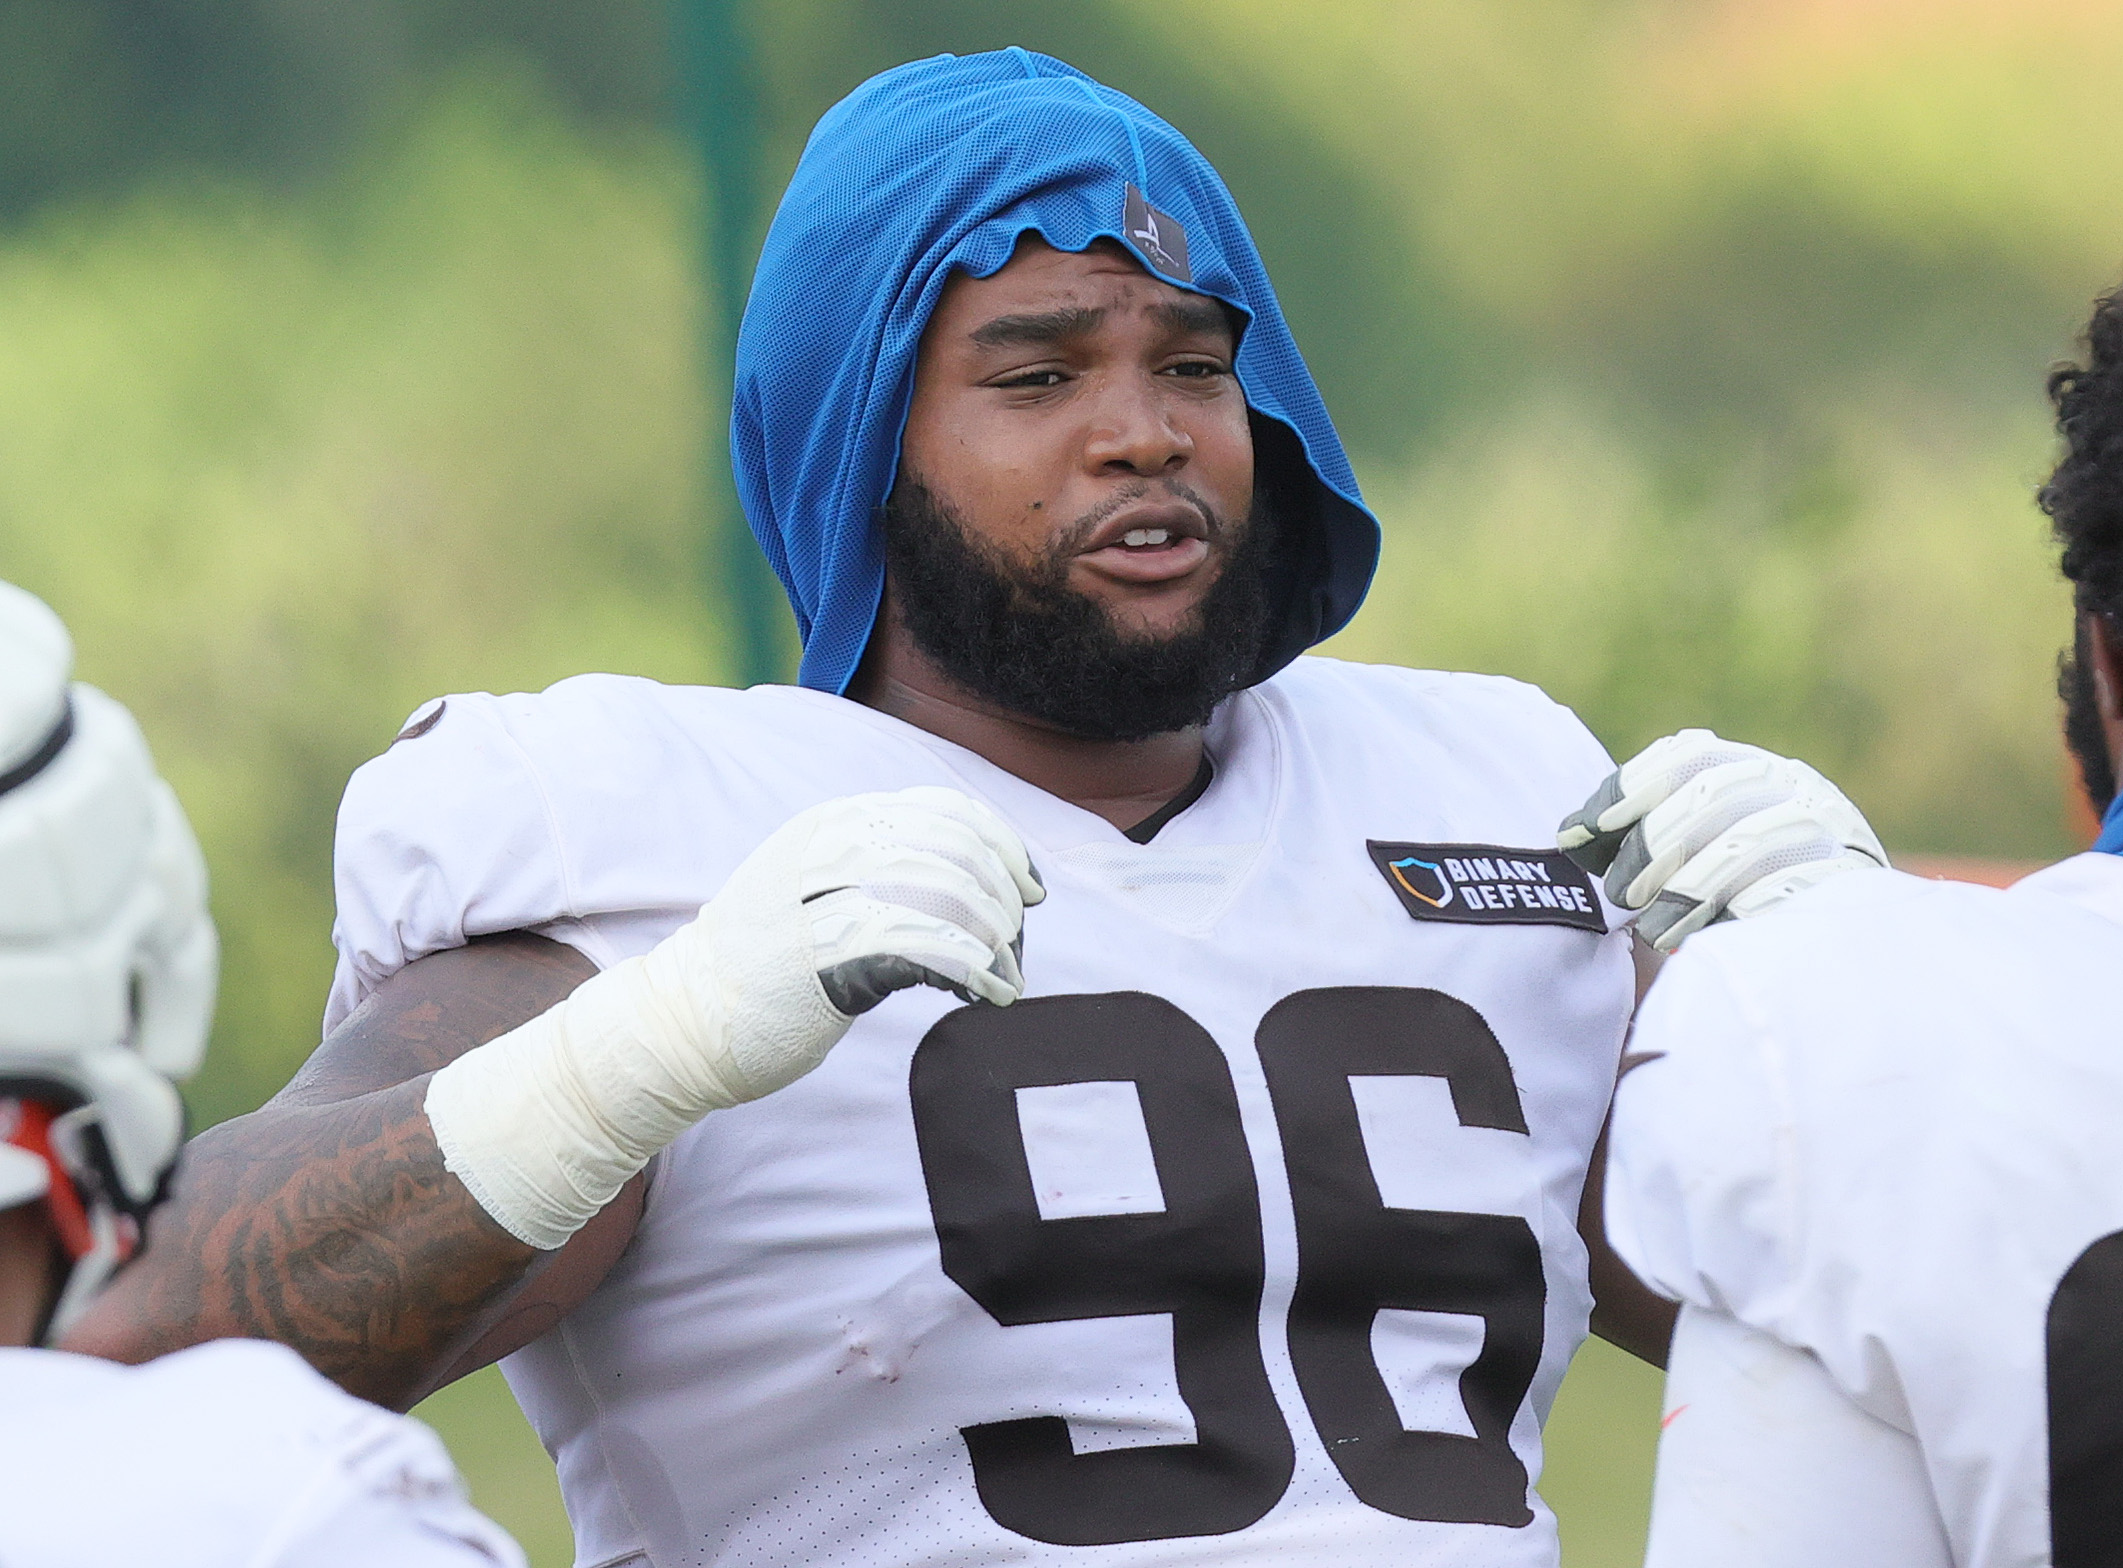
(1489, 885)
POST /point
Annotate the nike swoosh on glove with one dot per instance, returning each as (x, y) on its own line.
(923, 887)
(1695, 829)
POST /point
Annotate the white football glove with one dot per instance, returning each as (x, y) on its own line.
(842, 905)
(1694, 829)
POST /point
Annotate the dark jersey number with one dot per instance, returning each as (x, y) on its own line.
(1355, 1255)
(1202, 1261)
(2085, 1352)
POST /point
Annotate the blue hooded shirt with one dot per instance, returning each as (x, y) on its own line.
(943, 165)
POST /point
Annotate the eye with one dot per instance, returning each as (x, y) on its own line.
(1197, 369)
(1032, 380)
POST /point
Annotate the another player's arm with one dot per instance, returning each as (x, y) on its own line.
(325, 1219)
(1764, 1462)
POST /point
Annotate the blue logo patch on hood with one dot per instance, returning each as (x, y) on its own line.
(943, 165)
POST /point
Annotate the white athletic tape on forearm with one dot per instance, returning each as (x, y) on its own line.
(925, 886)
(545, 1124)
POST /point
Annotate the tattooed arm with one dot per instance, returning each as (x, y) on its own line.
(326, 1221)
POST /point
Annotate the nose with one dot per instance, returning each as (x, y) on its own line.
(1133, 431)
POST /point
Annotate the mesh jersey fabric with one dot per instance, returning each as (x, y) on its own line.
(943, 165)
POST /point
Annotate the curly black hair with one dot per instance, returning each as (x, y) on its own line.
(2084, 500)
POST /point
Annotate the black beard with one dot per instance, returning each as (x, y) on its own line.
(2082, 723)
(1035, 647)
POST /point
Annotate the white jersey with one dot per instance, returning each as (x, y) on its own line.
(229, 1453)
(1885, 1130)
(1248, 1237)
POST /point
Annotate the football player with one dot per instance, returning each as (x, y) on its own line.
(1872, 1148)
(1069, 1081)
(232, 1452)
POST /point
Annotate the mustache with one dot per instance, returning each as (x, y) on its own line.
(1073, 538)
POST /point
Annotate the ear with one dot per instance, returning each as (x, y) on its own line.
(2104, 655)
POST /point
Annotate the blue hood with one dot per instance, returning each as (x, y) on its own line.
(939, 166)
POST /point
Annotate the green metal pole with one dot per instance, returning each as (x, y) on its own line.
(722, 97)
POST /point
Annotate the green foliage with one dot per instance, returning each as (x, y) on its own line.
(1755, 305)
(98, 93)
(289, 468)
(1892, 615)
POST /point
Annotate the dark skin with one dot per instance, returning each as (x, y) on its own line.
(29, 1272)
(2104, 653)
(1624, 1312)
(1060, 405)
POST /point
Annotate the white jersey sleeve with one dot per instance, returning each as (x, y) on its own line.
(1694, 1205)
(232, 1452)
(458, 776)
(455, 831)
(1735, 1489)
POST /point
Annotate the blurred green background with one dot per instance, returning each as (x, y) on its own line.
(1692, 353)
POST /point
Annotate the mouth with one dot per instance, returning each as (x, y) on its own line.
(1152, 543)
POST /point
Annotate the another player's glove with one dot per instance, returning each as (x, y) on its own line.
(1694, 829)
(842, 905)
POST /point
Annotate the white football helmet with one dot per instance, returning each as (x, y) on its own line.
(108, 959)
